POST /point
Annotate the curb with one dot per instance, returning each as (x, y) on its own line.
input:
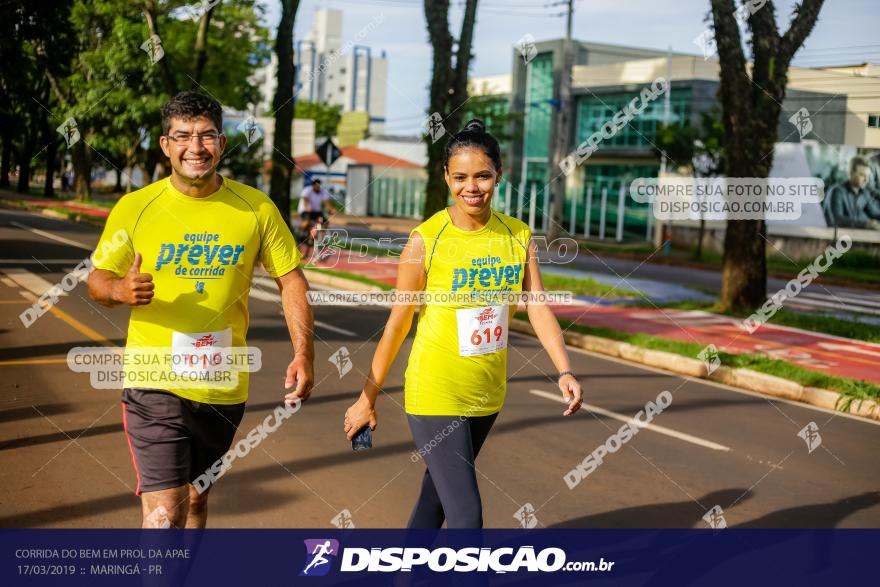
(741, 378)
(316, 276)
(73, 216)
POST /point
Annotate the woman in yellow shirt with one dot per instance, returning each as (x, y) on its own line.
(457, 372)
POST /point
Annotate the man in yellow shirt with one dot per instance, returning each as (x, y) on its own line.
(192, 242)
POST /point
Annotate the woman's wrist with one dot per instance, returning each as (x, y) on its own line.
(369, 398)
(564, 373)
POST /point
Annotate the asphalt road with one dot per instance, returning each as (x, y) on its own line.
(64, 461)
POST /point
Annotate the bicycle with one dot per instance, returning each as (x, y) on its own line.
(315, 238)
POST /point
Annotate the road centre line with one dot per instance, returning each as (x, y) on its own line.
(630, 420)
(51, 236)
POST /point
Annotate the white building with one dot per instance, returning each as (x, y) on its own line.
(333, 71)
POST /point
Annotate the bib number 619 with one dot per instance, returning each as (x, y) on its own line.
(477, 338)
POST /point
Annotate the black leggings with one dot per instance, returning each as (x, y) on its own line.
(449, 445)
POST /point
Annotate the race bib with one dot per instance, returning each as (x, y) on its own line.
(201, 354)
(482, 330)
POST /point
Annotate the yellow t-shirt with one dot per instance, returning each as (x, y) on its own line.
(458, 363)
(201, 253)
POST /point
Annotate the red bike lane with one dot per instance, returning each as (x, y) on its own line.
(829, 354)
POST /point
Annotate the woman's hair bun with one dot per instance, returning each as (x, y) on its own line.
(476, 125)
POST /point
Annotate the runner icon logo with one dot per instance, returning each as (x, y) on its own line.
(810, 434)
(343, 520)
(320, 554)
(715, 518)
(526, 516)
(710, 358)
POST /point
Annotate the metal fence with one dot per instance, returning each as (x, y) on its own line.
(600, 210)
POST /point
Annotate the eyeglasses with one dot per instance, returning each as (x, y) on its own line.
(182, 138)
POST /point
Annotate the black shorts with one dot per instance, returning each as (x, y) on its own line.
(313, 216)
(174, 440)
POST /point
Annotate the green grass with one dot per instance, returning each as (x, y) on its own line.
(827, 325)
(857, 266)
(597, 247)
(585, 286)
(852, 389)
(72, 215)
(351, 276)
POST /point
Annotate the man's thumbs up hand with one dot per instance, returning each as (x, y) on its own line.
(136, 288)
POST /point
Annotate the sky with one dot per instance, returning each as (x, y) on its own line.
(846, 33)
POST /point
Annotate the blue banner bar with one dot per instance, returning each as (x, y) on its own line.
(752, 557)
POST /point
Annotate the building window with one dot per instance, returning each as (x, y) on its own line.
(874, 120)
(595, 111)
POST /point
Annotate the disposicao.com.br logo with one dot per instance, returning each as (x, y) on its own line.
(440, 560)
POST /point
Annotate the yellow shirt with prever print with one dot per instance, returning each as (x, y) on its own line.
(201, 253)
(458, 363)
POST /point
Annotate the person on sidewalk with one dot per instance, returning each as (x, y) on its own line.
(192, 243)
(457, 372)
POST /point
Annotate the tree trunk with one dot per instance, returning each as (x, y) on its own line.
(751, 104)
(24, 163)
(437, 18)
(51, 162)
(5, 162)
(283, 105)
(118, 187)
(448, 91)
(699, 252)
(150, 13)
(51, 139)
(82, 171)
(130, 158)
(201, 47)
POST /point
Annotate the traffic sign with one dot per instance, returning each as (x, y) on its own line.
(328, 152)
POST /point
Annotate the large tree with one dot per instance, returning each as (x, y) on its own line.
(34, 41)
(448, 91)
(283, 107)
(751, 100)
(84, 59)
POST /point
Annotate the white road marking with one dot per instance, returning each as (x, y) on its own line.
(332, 328)
(51, 236)
(848, 348)
(875, 302)
(817, 303)
(629, 419)
(267, 296)
(30, 281)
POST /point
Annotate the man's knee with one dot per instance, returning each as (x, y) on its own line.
(165, 515)
(198, 502)
(165, 509)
